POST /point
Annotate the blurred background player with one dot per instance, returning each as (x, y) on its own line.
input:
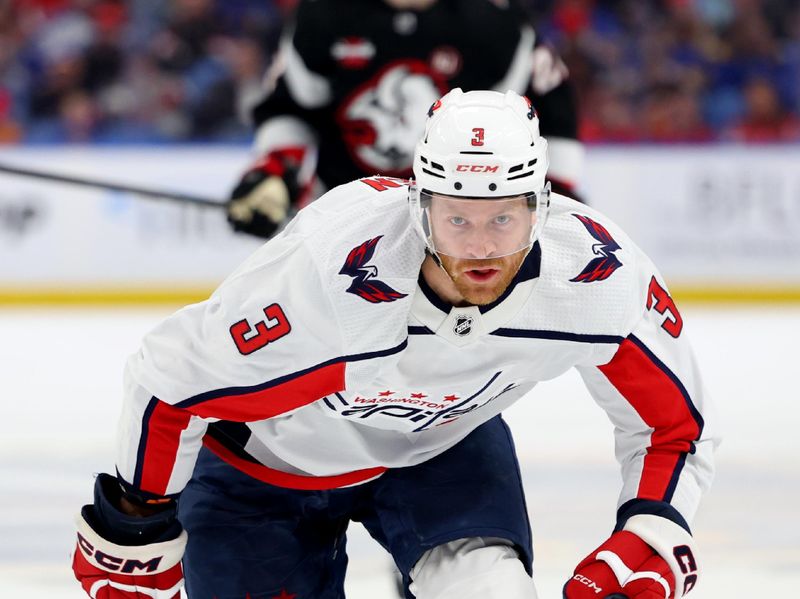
(349, 91)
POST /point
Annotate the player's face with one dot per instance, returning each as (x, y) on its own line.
(481, 243)
(479, 229)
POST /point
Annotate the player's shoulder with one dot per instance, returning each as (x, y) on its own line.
(367, 255)
(591, 270)
(346, 267)
(361, 204)
(359, 227)
(580, 229)
(372, 211)
(356, 213)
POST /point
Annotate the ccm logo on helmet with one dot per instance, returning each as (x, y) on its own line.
(117, 564)
(477, 168)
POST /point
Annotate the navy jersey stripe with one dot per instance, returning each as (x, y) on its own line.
(558, 336)
(143, 436)
(233, 437)
(419, 330)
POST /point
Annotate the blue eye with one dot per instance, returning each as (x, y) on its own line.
(503, 219)
(457, 220)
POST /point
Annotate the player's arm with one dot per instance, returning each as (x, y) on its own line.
(652, 391)
(297, 93)
(243, 355)
(130, 542)
(537, 71)
(553, 95)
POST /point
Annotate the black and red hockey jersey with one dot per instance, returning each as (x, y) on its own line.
(354, 79)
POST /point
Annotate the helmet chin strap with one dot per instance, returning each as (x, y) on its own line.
(438, 262)
(435, 257)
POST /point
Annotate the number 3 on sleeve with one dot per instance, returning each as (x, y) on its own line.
(660, 300)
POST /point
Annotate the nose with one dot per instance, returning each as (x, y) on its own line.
(481, 245)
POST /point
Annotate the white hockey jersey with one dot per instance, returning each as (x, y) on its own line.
(325, 358)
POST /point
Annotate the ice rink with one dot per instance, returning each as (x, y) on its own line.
(61, 379)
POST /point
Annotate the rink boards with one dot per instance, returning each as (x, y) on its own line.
(722, 222)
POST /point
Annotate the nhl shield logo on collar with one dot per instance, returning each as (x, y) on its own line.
(463, 326)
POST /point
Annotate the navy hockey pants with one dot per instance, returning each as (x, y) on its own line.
(252, 540)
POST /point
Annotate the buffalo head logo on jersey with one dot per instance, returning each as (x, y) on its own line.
(382, 120)
(606, 263)
(365, 283)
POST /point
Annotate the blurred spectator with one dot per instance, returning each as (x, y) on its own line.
(765, 118)
(676, 70)
(609, 117)
(671, 114)
(10, 131)
(190, 70)
(119, 71)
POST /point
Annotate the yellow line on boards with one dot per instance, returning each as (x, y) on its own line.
(736, 294)
(97, 296)
(148, 295)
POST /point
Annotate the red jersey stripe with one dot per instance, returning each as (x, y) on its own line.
(274, 400)
(290, 481)
(163, 434)
(163, 423)
(660, 400)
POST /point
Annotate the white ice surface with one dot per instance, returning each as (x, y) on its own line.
(60, 372)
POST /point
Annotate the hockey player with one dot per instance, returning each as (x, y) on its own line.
(347, 95)
(355, 368)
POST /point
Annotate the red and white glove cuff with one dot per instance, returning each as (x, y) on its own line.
(104, 555)
(625, 575)
(672, 542)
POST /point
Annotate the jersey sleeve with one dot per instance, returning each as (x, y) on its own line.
(297, 87)
(264, 344)
(553, 95)
(536, 70)
(653, 393)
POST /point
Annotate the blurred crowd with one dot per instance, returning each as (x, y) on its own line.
(155, 71)
(132, 71)
(680, 70)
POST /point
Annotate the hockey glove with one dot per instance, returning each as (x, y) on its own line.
(651, 558)
(262, 200)
(127, 557)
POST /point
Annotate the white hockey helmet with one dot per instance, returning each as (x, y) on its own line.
(481, 145)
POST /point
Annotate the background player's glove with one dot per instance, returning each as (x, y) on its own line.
(127, 557)
(262, 200)
(651, 558)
